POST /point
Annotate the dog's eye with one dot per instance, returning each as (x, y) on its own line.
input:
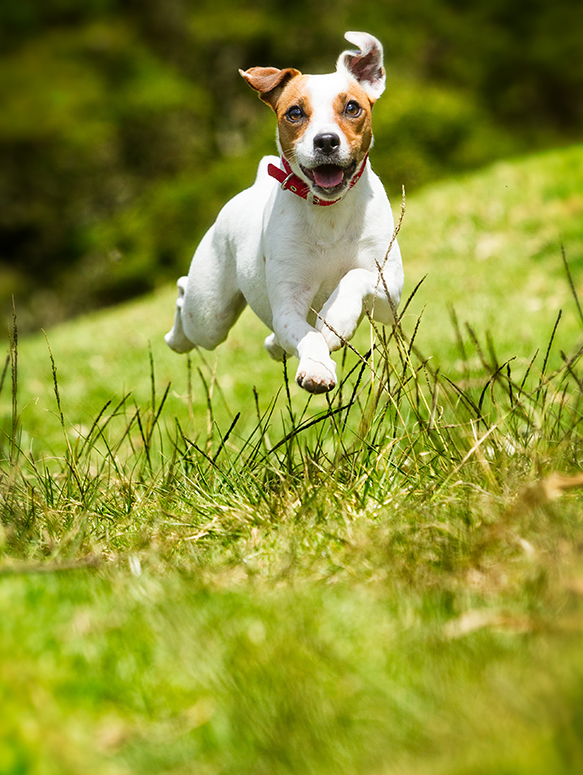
(353, 109)
(295, 113)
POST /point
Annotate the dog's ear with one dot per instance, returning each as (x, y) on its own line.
(269, 81)
(366, 65)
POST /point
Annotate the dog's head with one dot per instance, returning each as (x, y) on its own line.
(324, 121)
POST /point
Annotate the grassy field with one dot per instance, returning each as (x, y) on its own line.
(202, 570)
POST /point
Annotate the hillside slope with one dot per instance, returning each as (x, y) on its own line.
(489, 245)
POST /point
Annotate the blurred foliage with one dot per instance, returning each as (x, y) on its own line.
(125, 125)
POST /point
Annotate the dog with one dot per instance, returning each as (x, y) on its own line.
(307, 245)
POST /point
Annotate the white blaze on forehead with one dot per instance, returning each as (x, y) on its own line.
(323, 91)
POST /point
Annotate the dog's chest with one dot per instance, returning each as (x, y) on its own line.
(322, 230)
(330, 237)
(319, 246)
(323, 262)
(323, 255)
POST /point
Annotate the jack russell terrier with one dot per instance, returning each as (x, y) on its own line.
(307, 246)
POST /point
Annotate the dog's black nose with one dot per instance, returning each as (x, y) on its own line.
(326, 143)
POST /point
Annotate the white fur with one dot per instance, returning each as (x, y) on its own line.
(286, 257)
(320, 89)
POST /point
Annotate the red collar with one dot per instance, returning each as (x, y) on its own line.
(291, 182)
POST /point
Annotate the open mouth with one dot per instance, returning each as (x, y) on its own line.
(330, 177)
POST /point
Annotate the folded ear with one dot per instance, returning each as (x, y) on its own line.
(366, 65)
(269, 81)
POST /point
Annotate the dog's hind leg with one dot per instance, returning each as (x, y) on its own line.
(209, 300)
(176, 338)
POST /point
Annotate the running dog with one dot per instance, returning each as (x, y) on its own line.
(307, 246)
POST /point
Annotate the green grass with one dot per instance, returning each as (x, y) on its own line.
(224, 576)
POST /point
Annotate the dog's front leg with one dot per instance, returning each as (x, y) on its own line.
(316, 371)
(360, 290)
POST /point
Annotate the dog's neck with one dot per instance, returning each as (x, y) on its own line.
(291, 182)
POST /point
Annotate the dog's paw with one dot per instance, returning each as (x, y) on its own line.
(316, 377)
(177, 340)
(338, 324)
(334, 338)
(274, 348)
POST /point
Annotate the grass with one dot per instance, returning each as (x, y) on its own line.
(223, 576)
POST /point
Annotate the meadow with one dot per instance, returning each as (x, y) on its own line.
(204, 570)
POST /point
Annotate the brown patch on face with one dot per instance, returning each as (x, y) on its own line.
(355, 124)
(292, 124)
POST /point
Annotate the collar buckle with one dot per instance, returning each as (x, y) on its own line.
(286, 180)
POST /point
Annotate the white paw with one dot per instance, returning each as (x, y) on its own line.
(336, 325)
(334, 338)
(316, 377)
(274, 348)
(177, 340)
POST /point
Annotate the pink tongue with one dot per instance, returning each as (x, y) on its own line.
(328, 176)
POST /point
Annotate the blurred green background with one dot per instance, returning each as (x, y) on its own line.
(125, 126)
